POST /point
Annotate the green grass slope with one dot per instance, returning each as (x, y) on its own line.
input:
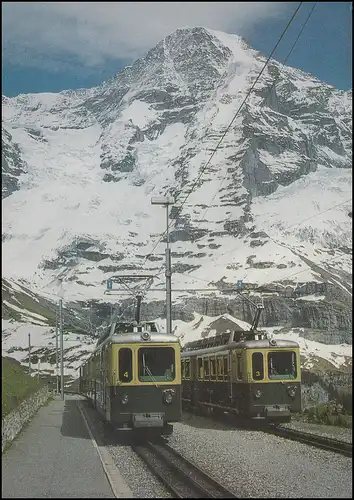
(17, 385)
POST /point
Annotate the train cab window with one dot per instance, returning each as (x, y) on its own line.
(257, 366)
(206, 368)
(182, 368)
(239, 367)
(282, 365)
(187, 369)
(156, 364)
(212, 369)
(200, 369)
(125, 365)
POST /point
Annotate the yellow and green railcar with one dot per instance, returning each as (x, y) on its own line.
(133, 378)
(255, 378)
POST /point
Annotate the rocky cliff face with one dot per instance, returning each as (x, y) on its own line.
(272, 207)
(12, 165)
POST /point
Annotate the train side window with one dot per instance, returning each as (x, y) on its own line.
(187, 369)
(200, 369)
(183, 368)
(239, 367)
(220, 373)
(226, 368)
(257, 366)
(206, 368)
(212, 369)
(125, 365)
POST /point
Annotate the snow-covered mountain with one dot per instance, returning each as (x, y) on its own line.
(272, 207)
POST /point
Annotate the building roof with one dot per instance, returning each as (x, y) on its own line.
(225, 323)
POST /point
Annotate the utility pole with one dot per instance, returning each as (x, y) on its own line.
(29, 354)
(38, 367)
(167, 201)
(61, 349)
(168, 279)
(56, 349)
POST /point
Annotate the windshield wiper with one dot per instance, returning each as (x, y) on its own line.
(151, 375)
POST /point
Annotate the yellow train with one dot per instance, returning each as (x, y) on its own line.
(245, 373)
(133, 377)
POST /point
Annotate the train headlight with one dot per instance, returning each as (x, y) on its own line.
(124, 399)
(257, 394)
(168, 396)
(291, 390)
(145, 336)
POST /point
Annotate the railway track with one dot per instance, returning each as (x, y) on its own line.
(181, 477)
(323, 442)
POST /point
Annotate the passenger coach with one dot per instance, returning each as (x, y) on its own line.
(133, 377)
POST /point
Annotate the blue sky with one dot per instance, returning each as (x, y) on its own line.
(52, 46)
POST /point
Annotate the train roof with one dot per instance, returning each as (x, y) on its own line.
(136, 337)
(131, 332)
(247, 344)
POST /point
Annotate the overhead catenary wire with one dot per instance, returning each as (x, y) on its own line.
(291, 226)
(285, 278)
(132, 293)
(227, 129)
(229, 289)
(225, 132)
(264, 101)
(304, 270)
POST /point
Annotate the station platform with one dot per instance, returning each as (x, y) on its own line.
(55, 457)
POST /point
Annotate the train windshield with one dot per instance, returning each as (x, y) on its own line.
(282, 365)
(156, 364)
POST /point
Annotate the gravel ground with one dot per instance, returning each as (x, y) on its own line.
(134, 471)
(330, 431)
(141, 481)
(254, 464)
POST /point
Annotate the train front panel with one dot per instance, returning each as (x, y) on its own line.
(274, 383)
(145, 388)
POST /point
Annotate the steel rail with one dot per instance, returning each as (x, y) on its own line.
(179, 475)
(324, 442)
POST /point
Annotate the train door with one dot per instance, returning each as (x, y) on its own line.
(199, 380)
(106, 384)
(93, 379)
(194, 381)
(187, 379)
(229, 364)
(241, 395)
(99, 380)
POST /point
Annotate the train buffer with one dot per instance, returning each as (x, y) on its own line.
(55, 457)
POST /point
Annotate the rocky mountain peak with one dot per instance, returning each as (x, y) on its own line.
(189, 63)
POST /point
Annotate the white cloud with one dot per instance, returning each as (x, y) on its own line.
(47, 34)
